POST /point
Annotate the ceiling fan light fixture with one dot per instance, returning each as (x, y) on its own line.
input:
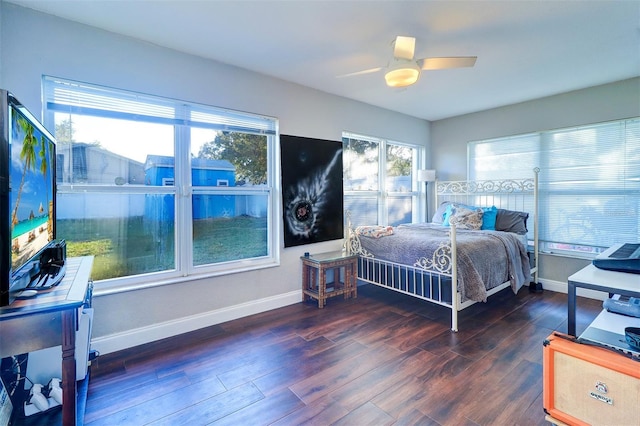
(402, 74)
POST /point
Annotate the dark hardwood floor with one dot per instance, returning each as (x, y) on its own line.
(381, 359)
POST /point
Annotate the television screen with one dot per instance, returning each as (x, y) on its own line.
(32, 194)
(27, 201)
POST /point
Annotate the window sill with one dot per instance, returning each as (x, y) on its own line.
(575, 255)
(108, 287)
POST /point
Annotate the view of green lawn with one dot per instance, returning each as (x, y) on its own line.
(135, 245)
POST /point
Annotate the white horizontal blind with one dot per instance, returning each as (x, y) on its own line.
(86, 99)
(513, 157)
(589, 181)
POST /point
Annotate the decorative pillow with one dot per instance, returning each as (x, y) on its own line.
(464, 218)
(451, 208)
(512, 221)
(438, 216)
(447, 214)
(489, 216)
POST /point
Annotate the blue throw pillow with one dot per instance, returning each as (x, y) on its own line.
(489, 216)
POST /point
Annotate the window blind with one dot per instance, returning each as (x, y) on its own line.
(85, 99)
(589, 181)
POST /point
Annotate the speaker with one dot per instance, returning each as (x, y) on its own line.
(584, 384)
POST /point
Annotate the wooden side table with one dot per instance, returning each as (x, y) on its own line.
(314, 276)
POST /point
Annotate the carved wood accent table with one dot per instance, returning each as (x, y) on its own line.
(314, 276)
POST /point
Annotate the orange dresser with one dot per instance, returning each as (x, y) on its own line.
(587, 385)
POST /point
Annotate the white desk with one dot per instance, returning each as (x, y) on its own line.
(602, 280)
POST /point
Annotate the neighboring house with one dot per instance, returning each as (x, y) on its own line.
(85, 163)
(89, 164)
(159, 171)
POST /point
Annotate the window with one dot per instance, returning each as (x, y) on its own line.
(589, 181)
(159, 188)
(380, 180)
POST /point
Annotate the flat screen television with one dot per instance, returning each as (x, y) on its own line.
(27, 199)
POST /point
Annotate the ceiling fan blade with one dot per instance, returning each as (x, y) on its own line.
(448, 62)
(363, 72)
(404, 47)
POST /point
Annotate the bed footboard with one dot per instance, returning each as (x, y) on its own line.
(428, 279)
(401, 278)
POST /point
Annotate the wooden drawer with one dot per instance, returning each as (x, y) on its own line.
(586, 385)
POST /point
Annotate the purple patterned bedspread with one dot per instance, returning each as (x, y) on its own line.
(486, 259)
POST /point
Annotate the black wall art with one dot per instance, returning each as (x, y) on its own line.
(312, 202)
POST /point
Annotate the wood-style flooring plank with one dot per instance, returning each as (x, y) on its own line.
(415, 417)
(324, 411)
(133, 395)
(502, 402)
(290, 374)
(265, 411)
(366, 414)
(155, 408)
(378, 380)
(214, 408)
(333, 377)
(383, 358)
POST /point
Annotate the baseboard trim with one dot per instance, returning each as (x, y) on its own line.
(142, 335)
(562, 287)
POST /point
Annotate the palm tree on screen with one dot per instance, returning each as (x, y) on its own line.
(45, 156)
(28, 156)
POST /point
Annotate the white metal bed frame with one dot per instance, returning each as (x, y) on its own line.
(427, 278)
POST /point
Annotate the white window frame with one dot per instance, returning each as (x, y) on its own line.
(78, 96)
(417, 192)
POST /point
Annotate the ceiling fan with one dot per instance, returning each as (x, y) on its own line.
(404, 70)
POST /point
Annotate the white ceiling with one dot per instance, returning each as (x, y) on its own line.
(525, 49)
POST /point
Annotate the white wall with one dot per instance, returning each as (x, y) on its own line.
(597, 104)
(33, 44)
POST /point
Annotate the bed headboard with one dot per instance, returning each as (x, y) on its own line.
(510, 194)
